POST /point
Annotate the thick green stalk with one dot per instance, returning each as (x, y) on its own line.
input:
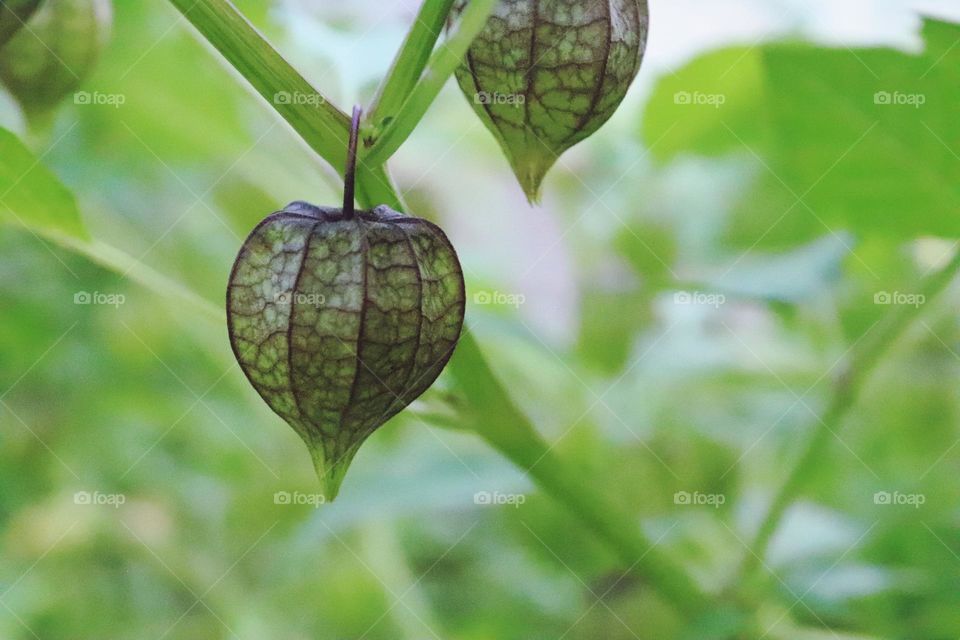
(114, 259)
(846, 392)
(410, 62)
(324, 127)
(442, 65)
(494, 416)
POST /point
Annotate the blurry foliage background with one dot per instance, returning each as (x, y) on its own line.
(780, 215)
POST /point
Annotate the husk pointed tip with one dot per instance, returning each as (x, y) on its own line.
(530, 169)
(532, 188)
(330, 474)
(534, 198)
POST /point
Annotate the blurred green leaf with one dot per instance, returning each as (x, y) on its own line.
(710, 107)
(886, 159)
(792, 277)
(31, 195)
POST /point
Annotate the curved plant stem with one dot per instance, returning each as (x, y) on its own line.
(114, 259)
(410, 61)
(846, 392)
(494, 416)
(442, 65)
(324, 127)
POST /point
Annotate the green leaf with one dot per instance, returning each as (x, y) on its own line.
(887, 161)
(321, 124)
(710, 108)
(791, 277)
(31, 195)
